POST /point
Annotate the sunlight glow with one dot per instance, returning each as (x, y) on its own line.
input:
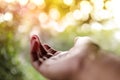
(108, 5)
(54, 25)
(43, 17)
(8, 16)
(85, 27)
(117, 35)
(116, 11)
(54, 14)
(57, 27)
(1, 18)
(22, 28)
(96, 26)
(77, 15)
(9, 1)
(110, 25)
(85, 7)
(80, 15)
(22, 2)
(35, 31)
(68, 2)
(38, 2)
(98, 4)
(98, 10)
(66, 21)
(101, 15)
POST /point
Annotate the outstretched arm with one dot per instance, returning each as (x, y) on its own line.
(58, 65)
(84, 61)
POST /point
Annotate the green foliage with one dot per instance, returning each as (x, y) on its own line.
(14, 54)
(9, 69)
(30, 73)
(105, 38)
(65, 40)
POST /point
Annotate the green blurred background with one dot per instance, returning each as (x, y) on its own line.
(57, 22)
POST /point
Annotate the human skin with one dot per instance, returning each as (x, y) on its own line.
(84, 61)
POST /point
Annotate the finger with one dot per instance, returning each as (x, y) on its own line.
(49, 49)
(76, 38)
(80, 41)
(41, 49)
(46, 46)
(33, 52)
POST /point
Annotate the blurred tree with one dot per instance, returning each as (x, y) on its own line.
(9, 68)
(57, 22)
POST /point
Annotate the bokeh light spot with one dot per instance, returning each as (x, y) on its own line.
(68, 2)
(96, 26)
(38, 2)
(23, 2)
(54, 14)
(8, 16)
(1, 18)
(9, 1)
(117, 35)
(43, 17)
(77, 15)
(85, 7)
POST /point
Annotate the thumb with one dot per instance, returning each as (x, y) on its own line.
(81, 41)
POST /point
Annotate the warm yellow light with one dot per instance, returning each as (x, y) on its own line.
(85, 7)
(54, 14)
(22, 28)
(9, 1)
(66, 22)
(100, 15)
(77, 15)
(108, 5)
(68, 2)
(22, 2)
(1, 18)
(98, 4)
(96, 26)
(56, 26)
(8, 16)
(117, 35)
(35, 31)
(116, 11)
(43, 17)
(110, 25)
(38, 2)
(85, 27)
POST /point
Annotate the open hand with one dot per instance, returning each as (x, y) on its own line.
(84, 61)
